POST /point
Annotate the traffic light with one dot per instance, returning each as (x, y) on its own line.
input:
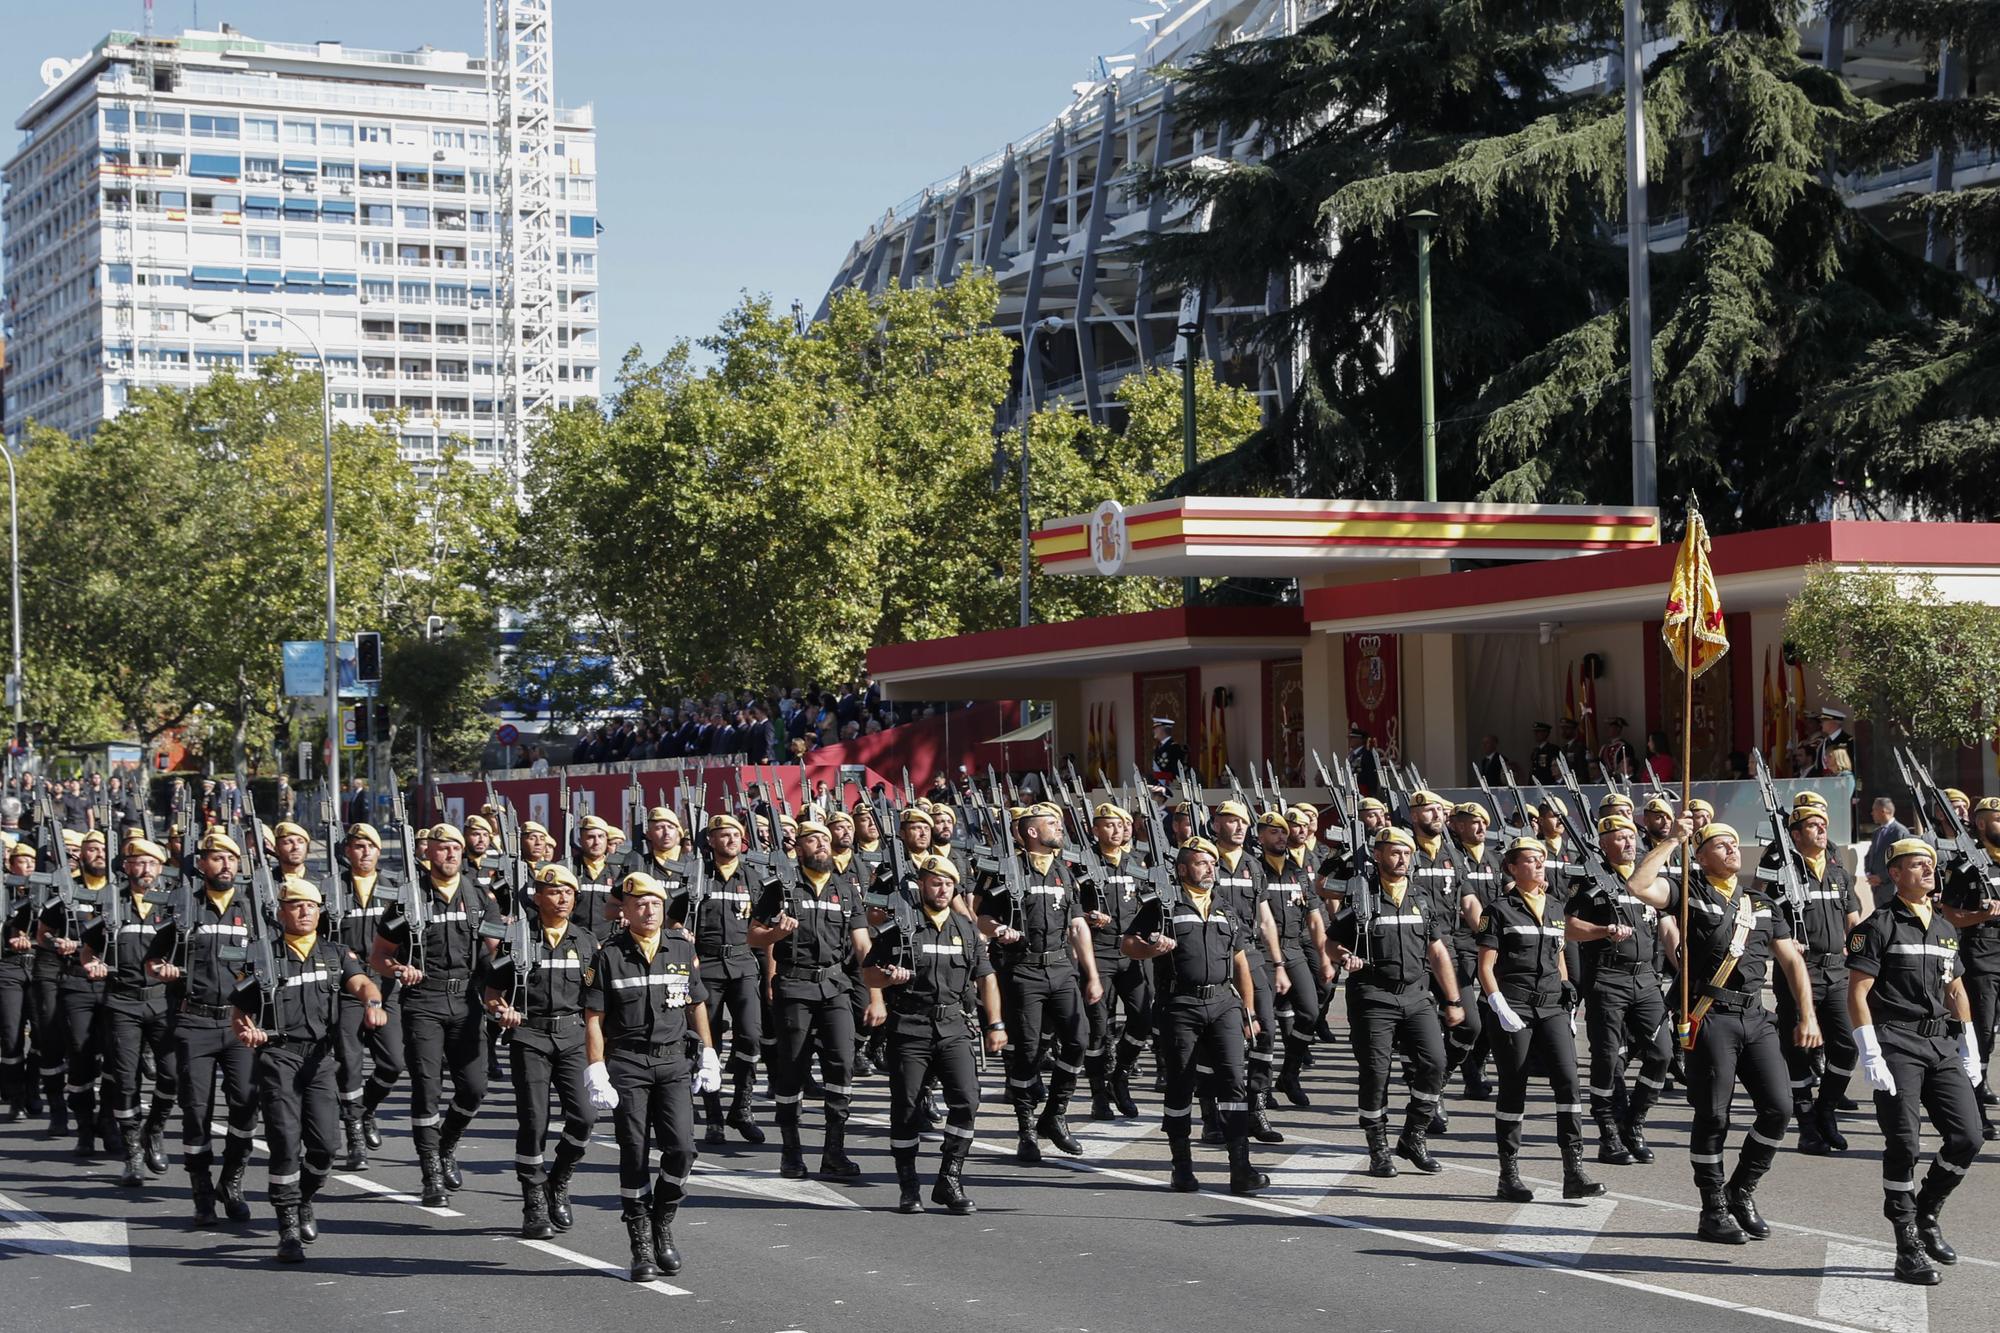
(378, 720)
(368, 657)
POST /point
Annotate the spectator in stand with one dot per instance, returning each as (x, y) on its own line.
(796, 749)
(874, 727)
(849, 730)
(871, 693)
(360, 810)
(538, 764)
(1660, 757)
(1889, 830)
(758, 738)
(851, 703)
(724, 739)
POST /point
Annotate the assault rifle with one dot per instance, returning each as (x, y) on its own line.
(1788, 875)
(416, 888)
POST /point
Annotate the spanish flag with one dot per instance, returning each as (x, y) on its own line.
(1694, 607)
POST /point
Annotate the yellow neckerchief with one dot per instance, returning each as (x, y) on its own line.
(724, 869)
(1041, 861)
(1990, 845)
(554, 937)
(449, 888)
(1276, 863)
(301, 945)
(1429, 846)
(648, 944)
(815, 881)
(1555, 846)
(1922, 908)
(364, 887)
(138, 900)
(593, 869)
(868, 846)
(1725, 887)
(1202, 900)
(1112, 855)
(1231, 855)
(1624, 869)
(841, 860)
(220, 901)
(1473, 850)
(1298, 854)
(94, 883)
(1532, 900)
(1394, 892)
(939, 917)
(1816, 864)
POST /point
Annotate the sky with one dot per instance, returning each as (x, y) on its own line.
(743, 145)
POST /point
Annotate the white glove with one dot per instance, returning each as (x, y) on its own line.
(1509, 1020)
(597, 1080)
(709, 1077)
(1873, 1067)
(1968, 1055)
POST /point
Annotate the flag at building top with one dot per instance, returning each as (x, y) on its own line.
(1694, 607)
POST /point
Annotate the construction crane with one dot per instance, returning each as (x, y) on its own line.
(521, 102)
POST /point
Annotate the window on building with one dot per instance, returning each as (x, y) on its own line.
(260, 208)
(260, 246)
(260, 168)
(301, 131)
(163, 122)
(416, 217)
(337, 133)
(373, 133)
(441, 138)
(378, 215)
(377, 289)
(257, 129)
(117, 120)
(413, 293)
(205, 126)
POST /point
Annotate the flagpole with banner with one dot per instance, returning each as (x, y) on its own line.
(1695, 636)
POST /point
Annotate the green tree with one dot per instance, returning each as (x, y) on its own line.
(1925, 670)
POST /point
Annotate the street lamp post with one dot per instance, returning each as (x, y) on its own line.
(209, 315)
(1425, 220)
(1053, 324)
(14, 544)
(1188, 326)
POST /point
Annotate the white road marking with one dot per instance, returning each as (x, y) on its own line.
(100, 1244)
(388, 1192)
(1107, 1138)
(1559, 1232)
(613, 1270)
(1859, 1289)
(770, 1185)
(1312, 1173)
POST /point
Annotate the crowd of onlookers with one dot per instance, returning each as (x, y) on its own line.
(75, 801)
(764, 728)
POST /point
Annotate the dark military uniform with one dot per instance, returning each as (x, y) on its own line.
(547, 1050)
(643, 1002)
(1128, 980)
(16, 1001)
(1738, 1040)
(1389, 1009)
(1527, 940)
(299, 1010)
(1968, 888)
(1170, 759)
(1289, 894)
(73, 1001)
(929, 1035)
(356, 1045)
(1038, 990)
(1821, 931)
(732, 976)
(209, 945)
(1466, 1045)
(1627, 1014)
(1241, 887)
(596, 885)
(1914, 962)
(812, 1004)
(1201, 1021)
(443, 1021)
(135, 1020)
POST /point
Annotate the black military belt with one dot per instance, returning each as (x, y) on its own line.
(552, 1022)
(1923, 1027)
(433, 985)
(207, 1010)
(291, 1039)
(1731, 1001)
(655, 1050)
(1375, 981)
(814, 974)
(1834, 958)
(1047, 958)
(125, 990)
(1207, 990)
(936, 1013)
(1629, 966)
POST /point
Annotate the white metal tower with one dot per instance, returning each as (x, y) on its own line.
(523, 45)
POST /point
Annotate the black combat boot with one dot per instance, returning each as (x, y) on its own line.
(1121, 1081)
(1261, 1127)
(435, 1195)
(235, 1158)
(740, 1118)
(1937, 1187)
(665, 1253)
(291, 1244)
(791, 1159)
(1413, 1145)
(1380, 1164)
(950, 1189)
(1243, 1177)
(1612, 1149)
(1288, 1073)
(448, 1137)
(1054, 1124)
(309, 1183)
(1742, 1200)
(535, 1224)
(1718, 1225)
(909, 1194)
(153, 1138)
(639, 1230)
(1577, 1184)
(1511, 1188)
(557, 1191)
(1026, 1151)
(1183, 1180)
(1097, 1067)
(83, 1110)
(1912, 1264)
(833, 1158)
(58, 1104)
(134, 1174)
(202, 1185)
(711, 1113)
(1212, 1133)
(1632, 1129)
(1826, 1114)
(357, 1147)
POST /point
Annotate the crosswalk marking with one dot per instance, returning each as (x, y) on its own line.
(1105, 1138)
(1859, 1289)
(1562, 1233)
(1308, 1176)
(614, 1270)
(770, 1185)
